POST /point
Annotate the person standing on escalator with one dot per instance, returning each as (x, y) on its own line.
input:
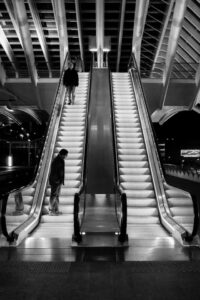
(71, 81)
(56, 179)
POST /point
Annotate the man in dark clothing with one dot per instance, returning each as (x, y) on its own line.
(71, 80)
(56, 179)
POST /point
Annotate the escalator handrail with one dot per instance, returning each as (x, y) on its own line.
(47, 153)
(154, 161)
(123, 198)
(81, 190)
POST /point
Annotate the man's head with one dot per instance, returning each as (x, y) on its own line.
(63, 153)
(70, 65)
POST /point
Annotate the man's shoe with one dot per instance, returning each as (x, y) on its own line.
(52, 213)
(58, 213)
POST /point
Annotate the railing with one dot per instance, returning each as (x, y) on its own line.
(183, 172)
(121, 208)
(44, 164)
(154, 160)
(79, 198)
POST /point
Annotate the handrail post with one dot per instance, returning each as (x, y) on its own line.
(123, 235)
(19, 204)
(189, 237)
(3, 226)
(77, 235)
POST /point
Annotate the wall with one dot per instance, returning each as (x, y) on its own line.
(27, 94)
(179, 93)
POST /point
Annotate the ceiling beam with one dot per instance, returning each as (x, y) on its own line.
(41, 37)
(8, 50)
(100, 31)
(139, 23)
(2, 74)
(178, 17)
(61, 23)
(162, 37)
(22, 20)
(10, 9)
(197, 99)
(80, 38)
(121, 28)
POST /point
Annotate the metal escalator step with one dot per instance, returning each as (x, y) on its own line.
(75, 156)
(137, 186)
(75, 130)
(57, 219)
(176, 194)
(133, 164)
(141, 202)
(63, 200)
(72, 114)
(69, 124)
(65, 209)
(73, 163)
(16, 219)
(78, 107)
(124, 130)
(123, 146)
(70, 139)
(135, 178)
(128, 125)
(124, 108)
(184, 219)
(147, 211)
(133, 118)
(64, 191)
(69, 148)
(129, 135)
(136, 157)
(130, 140)
(131, 151)
(179, 202)
(182, 211)
(134, 171)
(67, 145)
(143, 220)
(72, 183)
(73, 169)
(27, 200)
(140, 194)
(11, 209)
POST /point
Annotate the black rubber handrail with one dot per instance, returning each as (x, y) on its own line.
(77, 237)
(118, 190)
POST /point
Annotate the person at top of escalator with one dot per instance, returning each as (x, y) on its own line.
(71, 81)
(56, 179)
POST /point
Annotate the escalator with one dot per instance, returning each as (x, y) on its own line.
(71, 135)
(66, 130)
(100, 224)
(150, 200)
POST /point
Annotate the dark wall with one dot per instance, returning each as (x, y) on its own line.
(27, 94)
(179, 94)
